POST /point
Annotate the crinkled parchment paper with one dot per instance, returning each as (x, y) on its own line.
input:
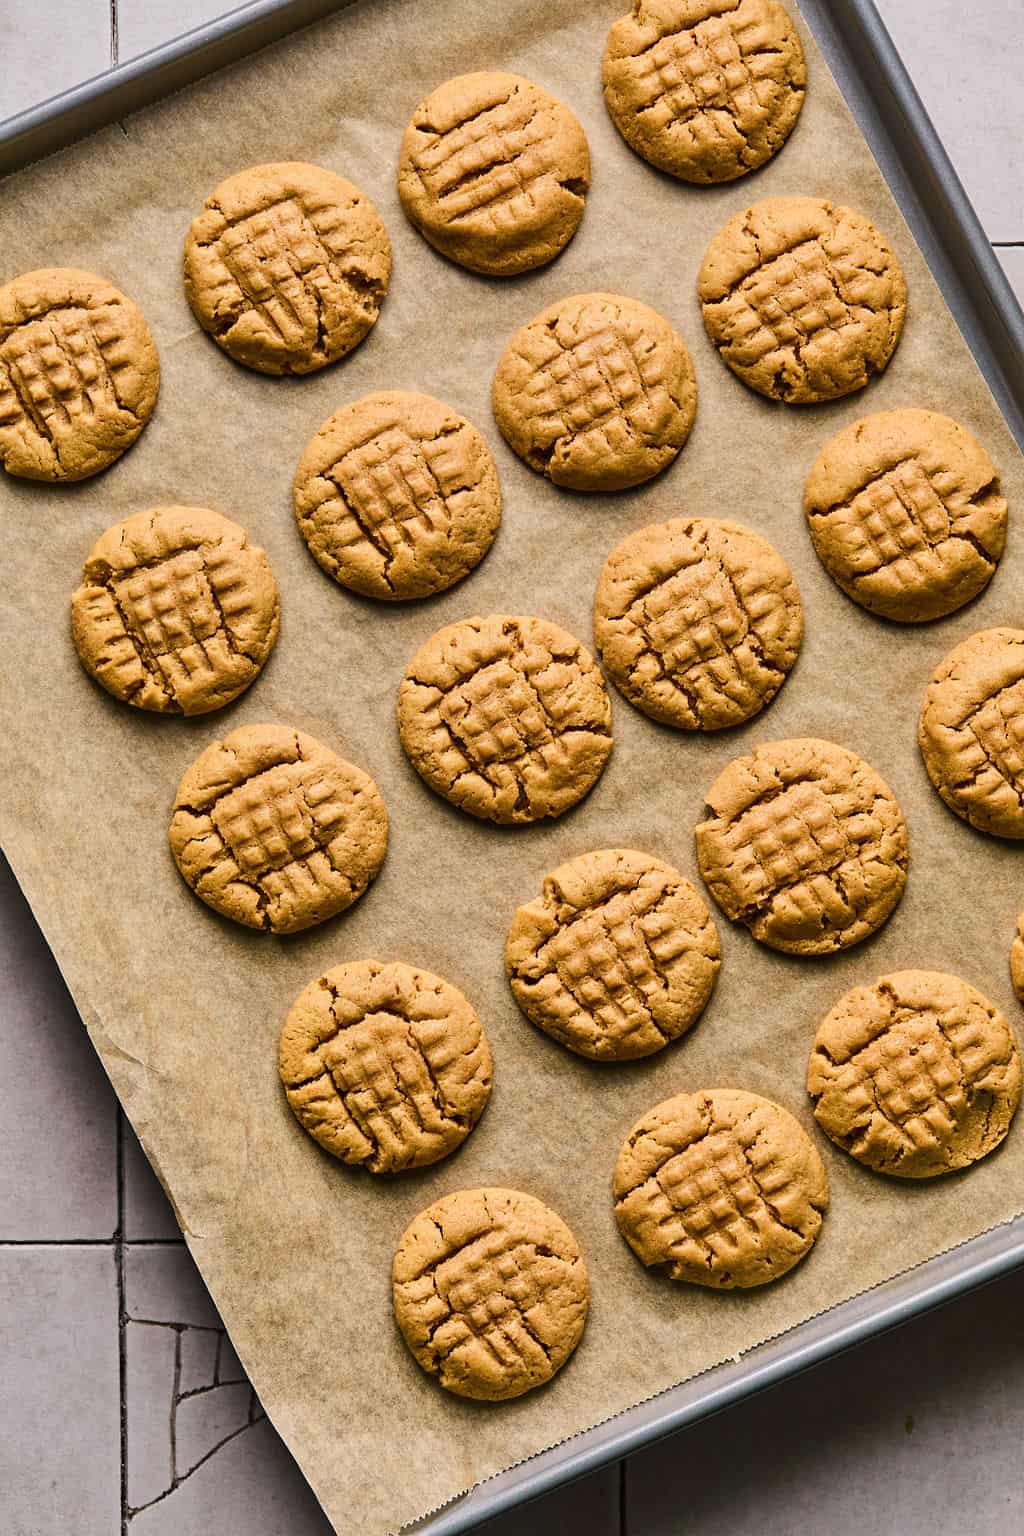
(184, 1008)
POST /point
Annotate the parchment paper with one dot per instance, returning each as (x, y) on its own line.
(185, 1009)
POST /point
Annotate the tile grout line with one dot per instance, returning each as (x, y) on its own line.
(122, 1311)
(113, 33)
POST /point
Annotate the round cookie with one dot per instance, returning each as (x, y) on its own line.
(385, 1065)
(719, 1188)
(1017, 960)
(597, 392)
(177, 611)
(805, 845)
(493, 172)
(697, 622)
(972, 722)
(706, 90)
(273, 829)
(905, 514)
(490, 1292)
(79, 374)
(397, 496)
(804, 301)
(506, 717)
(916, 1075)
(616, 957)
(287, 267)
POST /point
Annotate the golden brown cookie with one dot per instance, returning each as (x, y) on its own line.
(706, 90)
(1017, 960)
(804, 301)
(490, 1292)
(273, 829)
(177, 611)
(719, 1188)
(287, 267)
(971, 731)
(616, 957)
(506, 717)
(385, 1065)
(805, 845)
(915, 1075)
(597, 392)
(697, 622)
(397, 496)
(79, 374)
(905, 514)
(493, 172)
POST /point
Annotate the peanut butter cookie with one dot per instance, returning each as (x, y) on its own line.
(493, 172)
(490, 1292)
(719, 1188)
(79, 374)
(273, 829)
(916, 1075)
(1017, 960)
(804, 301)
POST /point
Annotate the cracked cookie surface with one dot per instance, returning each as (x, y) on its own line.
(905, 514)
(804, 301)
(505, 716)
(698, 622)
(397, 496)
(720, 1188)
(616, 957)
(79, 374)
(287, 267)
(805, 845)
(706, 90)
(597, 392)
(493, 172)
(490, 1292)
(385, 1065)
(971, 731)
(177, 611)
(916, 1075)
(273, 829)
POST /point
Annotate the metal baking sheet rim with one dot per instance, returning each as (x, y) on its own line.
(878, 89)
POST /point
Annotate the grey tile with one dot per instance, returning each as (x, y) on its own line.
(147, 1210)
(229, 1367)
(44, 52)
(207, 1419)
(151, 1354)
(143, 24)
(162, 1285)
(200, 1348)
(58, 1121)
(60, 1449)
(1012, 259)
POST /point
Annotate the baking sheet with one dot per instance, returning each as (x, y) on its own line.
(185, 1008)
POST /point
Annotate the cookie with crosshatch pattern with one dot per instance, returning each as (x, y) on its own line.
(287, 267)
(490, 1292)
(915, 1075)
(273, 829)
(493, 172)
(79, 374)
(706, 90)
(177, 611)
(805, 301)
(597, 392)
(720, 1188)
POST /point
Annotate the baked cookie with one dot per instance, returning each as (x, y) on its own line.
(905, 514)
(177, 611)
(597, 392)
(805, 845)
(706, 90)
(385, 1065)
(490, 1292)
(616, 957)
(697, 622)
(493, 172)
(287, 267)
(971, 731)
(397, 496)
(79, 374)
(916, 1075)
(719, 1188)
(506, 717)
(1017, 960)
(273, 829)
(804, 301)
